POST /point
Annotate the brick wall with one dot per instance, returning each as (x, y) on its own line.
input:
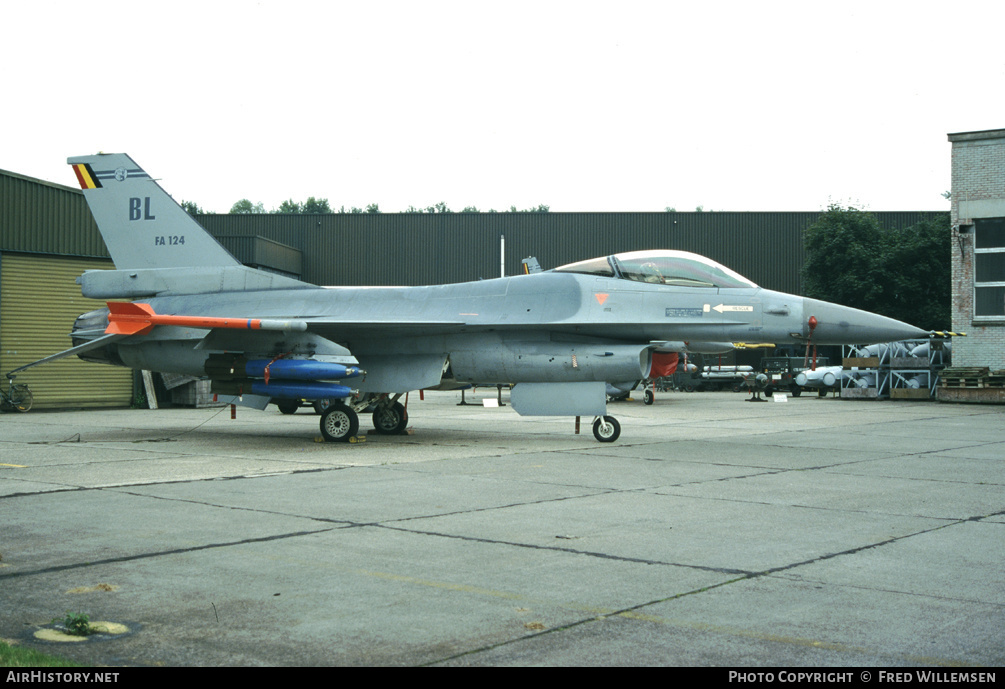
(978, 191)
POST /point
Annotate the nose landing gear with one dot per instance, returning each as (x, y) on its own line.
(606, 429)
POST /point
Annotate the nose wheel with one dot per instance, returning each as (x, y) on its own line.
(606, 429)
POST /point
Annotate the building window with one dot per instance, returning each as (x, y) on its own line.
(989, 269)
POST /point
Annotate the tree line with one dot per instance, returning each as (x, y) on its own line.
(314, 206)
(900, 272)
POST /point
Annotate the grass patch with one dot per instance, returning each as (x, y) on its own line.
(77, 624)
(12, 656)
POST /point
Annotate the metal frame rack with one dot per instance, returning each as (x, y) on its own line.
(908, 369)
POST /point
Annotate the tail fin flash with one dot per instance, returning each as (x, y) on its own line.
(143, 227)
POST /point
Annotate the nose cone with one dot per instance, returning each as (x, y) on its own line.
(838, 324)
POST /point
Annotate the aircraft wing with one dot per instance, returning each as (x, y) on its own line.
(353, 330)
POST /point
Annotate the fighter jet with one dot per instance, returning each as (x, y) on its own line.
(558, 336)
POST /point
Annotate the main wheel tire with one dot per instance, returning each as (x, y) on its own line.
(606, 429)
(391, 419)
(339, 423)
(21, 397)
(648, 397)
(288, 406)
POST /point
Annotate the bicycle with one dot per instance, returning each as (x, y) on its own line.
(17, 397)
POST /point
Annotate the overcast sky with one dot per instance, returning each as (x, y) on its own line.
(583, 106)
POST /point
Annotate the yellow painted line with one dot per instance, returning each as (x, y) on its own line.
(16, 466)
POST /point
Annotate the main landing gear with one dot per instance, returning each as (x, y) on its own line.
(390, 419)
(340, 421)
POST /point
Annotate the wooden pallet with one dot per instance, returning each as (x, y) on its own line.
(967, 377)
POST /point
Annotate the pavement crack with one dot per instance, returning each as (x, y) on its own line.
(623, 612)
(573, 551)
(160, 553)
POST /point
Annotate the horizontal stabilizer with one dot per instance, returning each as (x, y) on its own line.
(143, 284)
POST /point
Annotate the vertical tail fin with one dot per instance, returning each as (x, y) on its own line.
(143, 227)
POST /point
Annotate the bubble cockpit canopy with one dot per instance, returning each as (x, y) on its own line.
(661, 267)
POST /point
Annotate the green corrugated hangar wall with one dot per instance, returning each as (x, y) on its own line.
(47, 239)
(39, 301)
